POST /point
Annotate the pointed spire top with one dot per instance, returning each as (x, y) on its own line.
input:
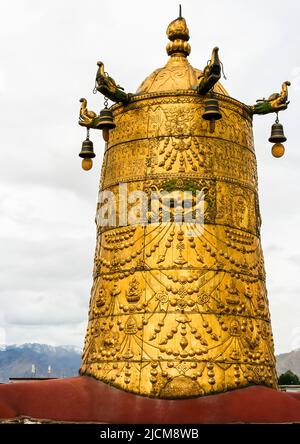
(178, 34)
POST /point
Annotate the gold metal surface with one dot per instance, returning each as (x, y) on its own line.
(175, 315)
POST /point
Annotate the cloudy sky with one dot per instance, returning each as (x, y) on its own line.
(49, 51)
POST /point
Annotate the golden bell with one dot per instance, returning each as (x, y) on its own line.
(211, 109)
(277, 134)
(87, 150)
(106, 120)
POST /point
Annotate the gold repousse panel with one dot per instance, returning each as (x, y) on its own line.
(126, 162)
(181, 310)
(180, 115)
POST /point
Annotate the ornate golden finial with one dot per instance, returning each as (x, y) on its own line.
(178, 33)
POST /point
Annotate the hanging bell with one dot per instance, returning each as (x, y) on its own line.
(211, 112)
(277, 137)
(277, 134)
(106, 123)
(87, 153)
(211, 109)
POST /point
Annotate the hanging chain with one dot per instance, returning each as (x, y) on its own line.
(277, 118)
(88, 133)
(95, 87)
(222, 66)
(105, 102)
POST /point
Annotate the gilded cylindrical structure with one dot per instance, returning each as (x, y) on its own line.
(177, 312)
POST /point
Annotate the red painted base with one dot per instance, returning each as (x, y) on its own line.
(84, 399)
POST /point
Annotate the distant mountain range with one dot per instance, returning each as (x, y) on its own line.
(16, 361)
(289, 361)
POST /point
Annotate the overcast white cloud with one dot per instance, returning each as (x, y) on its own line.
(49, 51)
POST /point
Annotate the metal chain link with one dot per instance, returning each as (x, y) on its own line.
(222, 66)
